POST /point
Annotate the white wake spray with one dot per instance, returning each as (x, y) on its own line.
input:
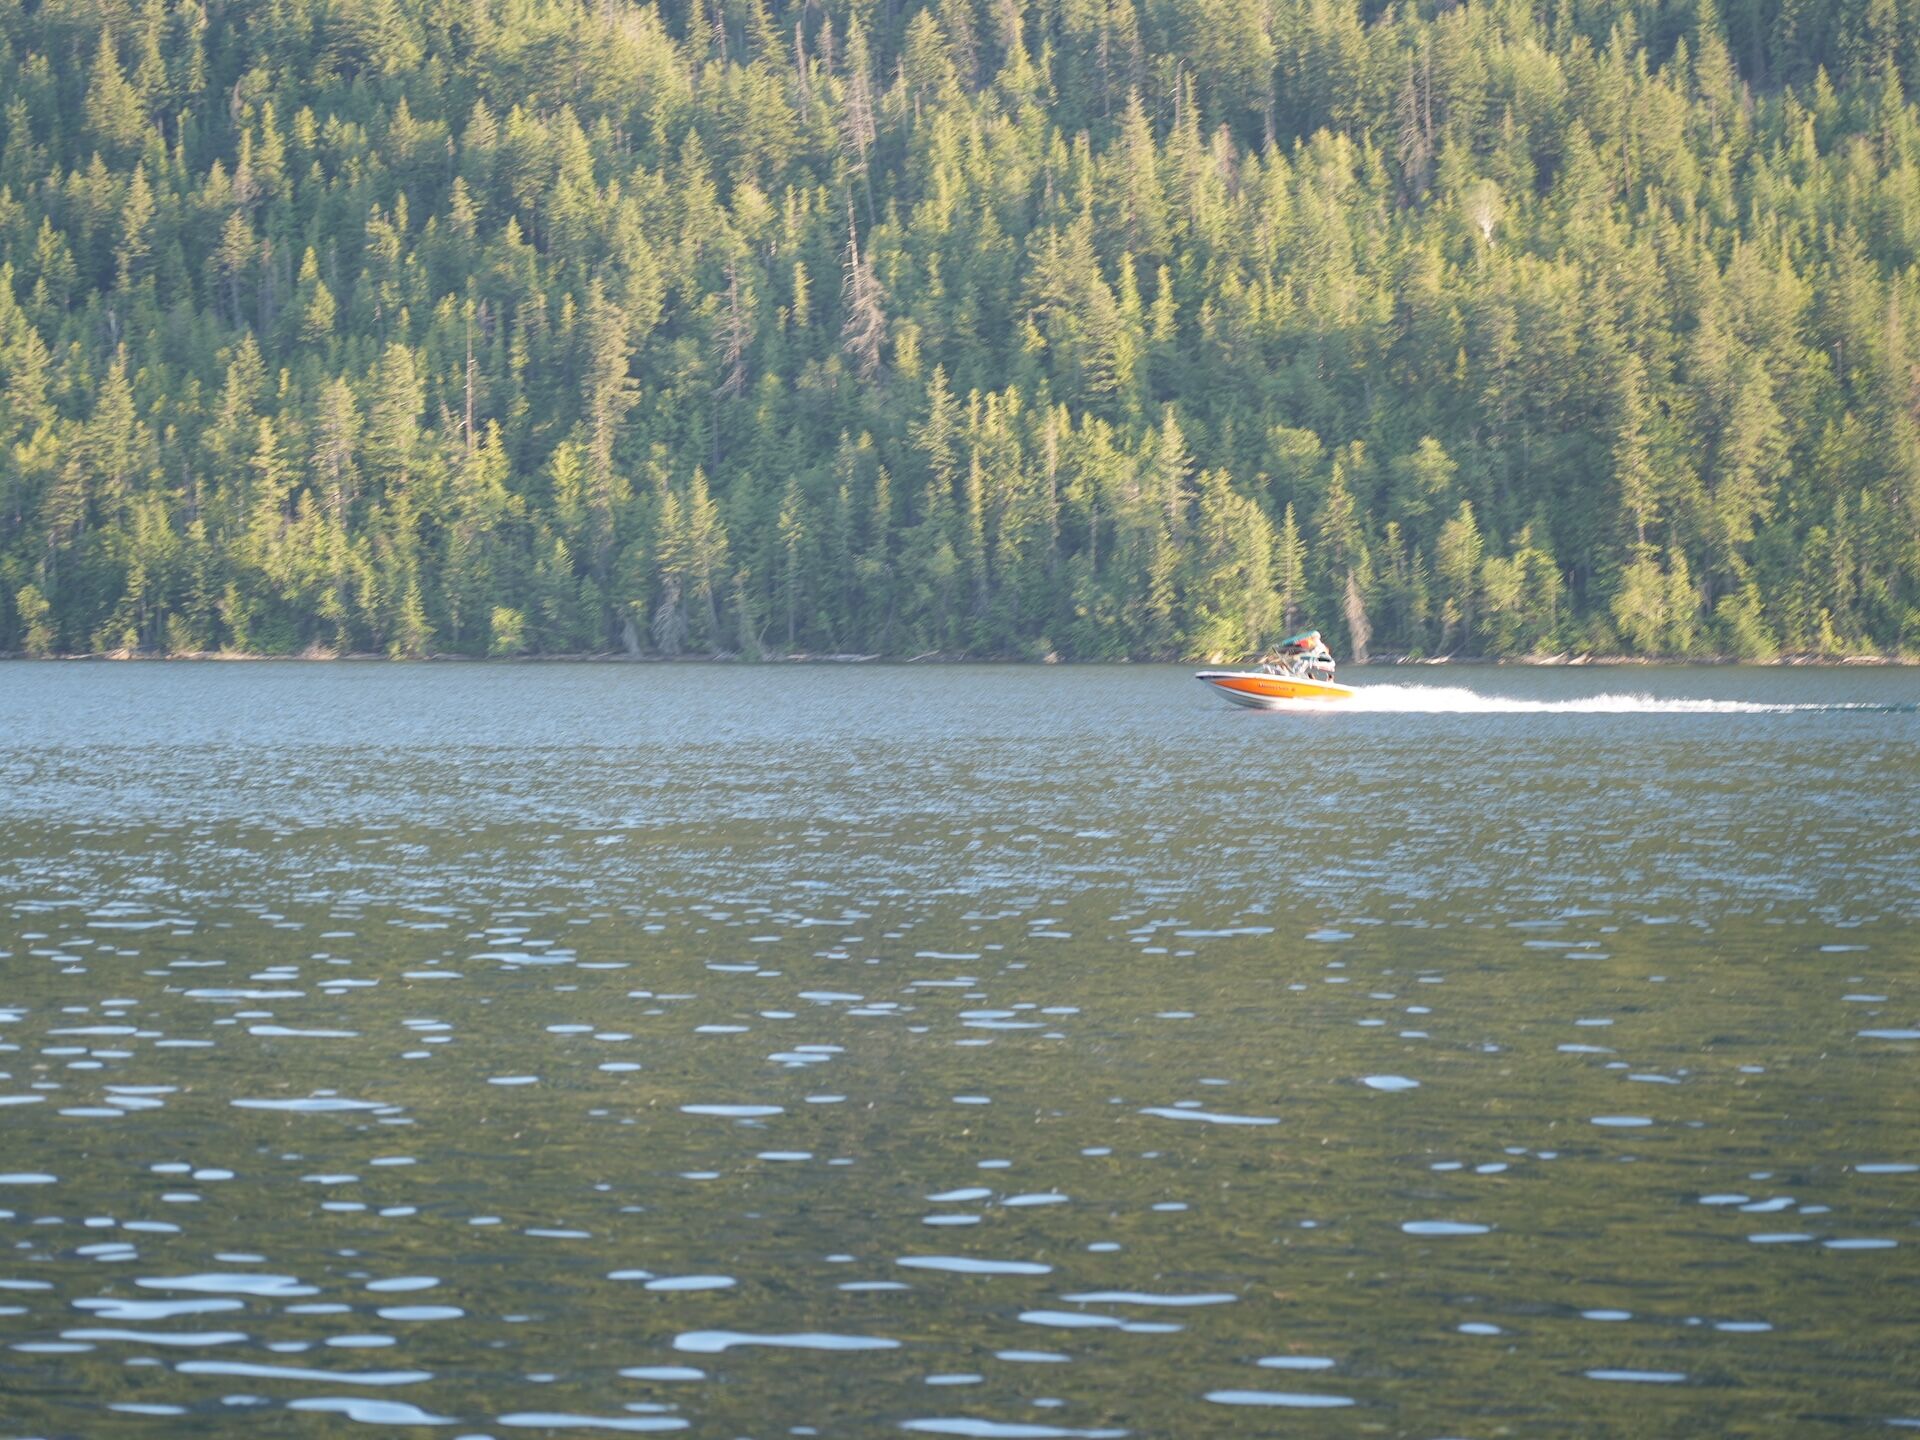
(1458, 700)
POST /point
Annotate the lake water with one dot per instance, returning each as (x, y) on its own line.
(1017, 1052)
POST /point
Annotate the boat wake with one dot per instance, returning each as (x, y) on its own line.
(1458, 700)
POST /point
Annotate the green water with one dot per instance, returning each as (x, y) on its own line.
(1003, 1052)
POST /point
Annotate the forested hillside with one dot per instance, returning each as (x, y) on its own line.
(997, 327)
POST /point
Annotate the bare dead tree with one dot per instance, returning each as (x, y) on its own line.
(1359, 630)
(864, 333)
(736, 334)
(861, 131)
(669, 627)
(802, 71)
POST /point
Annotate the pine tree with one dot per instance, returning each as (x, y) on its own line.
(1457, 557)
(610, 393)
(364, 328)
(114, 116)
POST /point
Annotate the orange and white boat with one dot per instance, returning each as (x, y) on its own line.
(1300, 671)
(1265, 692)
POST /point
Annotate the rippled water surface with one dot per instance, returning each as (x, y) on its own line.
(742, 1051)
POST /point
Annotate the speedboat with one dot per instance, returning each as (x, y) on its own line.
(1301, 669)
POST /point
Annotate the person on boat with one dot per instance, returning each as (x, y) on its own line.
(1303, 656)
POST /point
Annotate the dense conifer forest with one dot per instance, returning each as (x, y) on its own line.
(1096, 328)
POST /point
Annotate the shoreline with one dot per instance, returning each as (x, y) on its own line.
(317, 656)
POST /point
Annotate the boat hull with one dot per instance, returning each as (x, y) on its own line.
(1269, 692)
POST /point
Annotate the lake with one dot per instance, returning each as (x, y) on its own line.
(980, 1051)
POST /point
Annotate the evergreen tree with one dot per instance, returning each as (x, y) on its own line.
(1159, 328)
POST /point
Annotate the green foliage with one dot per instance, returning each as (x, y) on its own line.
(509, 632)
(32, 609)
(1744, 632)
(1146, 327)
